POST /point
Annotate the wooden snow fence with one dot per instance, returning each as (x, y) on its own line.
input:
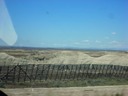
(41, 72)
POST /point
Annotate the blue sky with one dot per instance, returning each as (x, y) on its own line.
(70, 23)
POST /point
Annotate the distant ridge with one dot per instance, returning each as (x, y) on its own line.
(52, 48)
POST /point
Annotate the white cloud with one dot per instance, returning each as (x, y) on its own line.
(42, 43)
(56, 44)
(114, 33)
(107, 37)
(77, 43)
(59, 45)
(114, 42)
(86, 41)
(97, 41)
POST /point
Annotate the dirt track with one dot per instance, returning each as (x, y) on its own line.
(71, 91)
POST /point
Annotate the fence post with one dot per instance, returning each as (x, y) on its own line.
(95, 70)
(126, 73)
(31, 76)
(52, 71)
(70, 74)
(65, 70)
(47, 74)
(42, 70)
(117, 71)
(75, 71)
(14, 72)
(87, 68)
(61, 75)
(81, 72)
(89, 71)
(103, 71)
(37, 66)
(7, 73)
(123, 71)
(0, 69)
(120, 71)
(19, 74)
(57, 72)
(78, 74)
(99, 69)
(26, 69)
(82, 75)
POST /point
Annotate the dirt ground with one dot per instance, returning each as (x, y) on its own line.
(70, 91)
(19, 56)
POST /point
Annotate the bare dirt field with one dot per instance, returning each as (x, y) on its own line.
(22, 56)
(70, 91)
(10, 56)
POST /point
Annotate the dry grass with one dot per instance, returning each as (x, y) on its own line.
(64, 57)
(71, 91)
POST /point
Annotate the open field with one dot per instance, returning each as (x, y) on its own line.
(20, 56)
(70, 91)
(71, 87)
(39, 65)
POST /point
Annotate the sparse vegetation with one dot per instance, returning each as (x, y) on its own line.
(119, 94)
(70, 83)
(2, 85)
(65, 57)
